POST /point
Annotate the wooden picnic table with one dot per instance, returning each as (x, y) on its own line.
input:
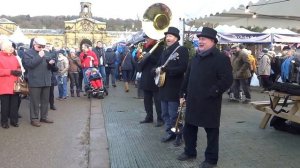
(292, 110)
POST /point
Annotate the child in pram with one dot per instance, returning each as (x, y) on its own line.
(95, 86)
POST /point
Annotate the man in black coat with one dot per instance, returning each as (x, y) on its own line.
(147, 84)
(208, 76)
(99, 51)
(174, 74)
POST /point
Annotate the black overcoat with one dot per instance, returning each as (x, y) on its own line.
(146, 66)
(206, 79)
(175, 70)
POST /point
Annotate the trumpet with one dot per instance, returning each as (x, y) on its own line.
(180, 120)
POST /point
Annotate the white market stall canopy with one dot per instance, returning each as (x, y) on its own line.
(195, 8)
(233, 34)
(278, 31)
(269, 13)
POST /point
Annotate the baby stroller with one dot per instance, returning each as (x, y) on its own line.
(95, 86)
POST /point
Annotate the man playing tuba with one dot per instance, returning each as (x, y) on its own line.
(145, 65)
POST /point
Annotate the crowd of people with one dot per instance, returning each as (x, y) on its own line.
(44, 67)
(198, 83)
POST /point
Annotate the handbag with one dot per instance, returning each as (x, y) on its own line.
(21, 86)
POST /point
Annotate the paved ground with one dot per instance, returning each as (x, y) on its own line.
(242, 143)
(63, 144)
(82, 129)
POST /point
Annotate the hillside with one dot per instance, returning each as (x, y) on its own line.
(57, 22)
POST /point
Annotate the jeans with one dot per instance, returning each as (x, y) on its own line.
(62, 86)
(169, 114)
(103, 74)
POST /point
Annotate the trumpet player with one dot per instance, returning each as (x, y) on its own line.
(208, 76)
(145, 65)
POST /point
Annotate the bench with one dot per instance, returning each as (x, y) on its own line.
(260, 104)
(264, 106)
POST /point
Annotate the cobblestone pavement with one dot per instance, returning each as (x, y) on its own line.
(242, 143)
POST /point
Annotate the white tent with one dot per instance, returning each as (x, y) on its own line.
(231, 29)
(19, 37)
(269, 13)
(278, 31)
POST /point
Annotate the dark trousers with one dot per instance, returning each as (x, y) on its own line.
(80, 80)
(190, 139)
(74, 81)
(51, 96)
(237, 83)
(9, 107)
(110, 72)
(265, 81)
(39, 99)
(149, 96)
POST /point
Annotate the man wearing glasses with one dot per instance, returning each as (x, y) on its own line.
(38, 64)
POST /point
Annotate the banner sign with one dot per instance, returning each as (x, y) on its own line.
(244, 38)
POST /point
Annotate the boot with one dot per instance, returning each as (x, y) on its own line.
(178, 140)
(72, 93)
(126, 87)
(78, 93)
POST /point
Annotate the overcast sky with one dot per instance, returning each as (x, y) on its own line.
(114, 8)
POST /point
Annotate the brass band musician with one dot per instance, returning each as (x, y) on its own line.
(145, 65)
(174, 73)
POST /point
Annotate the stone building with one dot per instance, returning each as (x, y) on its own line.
(85, 27)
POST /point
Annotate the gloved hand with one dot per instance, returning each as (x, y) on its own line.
(16, 73)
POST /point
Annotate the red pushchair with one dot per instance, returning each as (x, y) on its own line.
(95, 87)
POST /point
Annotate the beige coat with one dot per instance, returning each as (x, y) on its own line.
(264, 65)
(241, 66)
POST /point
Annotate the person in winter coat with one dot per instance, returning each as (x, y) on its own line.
(39, 66)
(88, 60)
(126, 68)
(10, 70)
(241, 73)
(53, 56)
(208, 76)
(264, 69)
(62, 76)
(147, 84)
(100, 52)
(110, 66)
(169, 92)
(74, 70)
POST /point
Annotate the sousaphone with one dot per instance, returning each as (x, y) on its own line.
(156, 21)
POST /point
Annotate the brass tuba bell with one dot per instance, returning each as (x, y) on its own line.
(156, 20)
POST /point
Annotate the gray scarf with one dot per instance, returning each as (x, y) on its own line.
(205, 53)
